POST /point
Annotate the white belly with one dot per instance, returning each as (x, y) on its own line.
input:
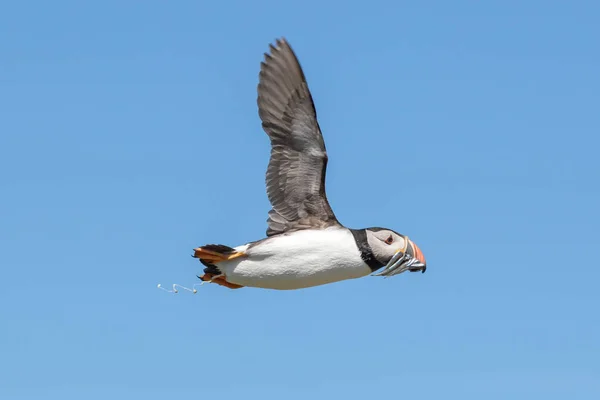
(298, 260)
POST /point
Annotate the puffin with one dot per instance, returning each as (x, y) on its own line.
(305, 244)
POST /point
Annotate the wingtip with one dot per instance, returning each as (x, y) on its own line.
(279, 43)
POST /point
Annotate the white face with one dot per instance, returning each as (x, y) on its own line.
(385, 243)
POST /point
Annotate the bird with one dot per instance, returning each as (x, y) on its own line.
(305, 244)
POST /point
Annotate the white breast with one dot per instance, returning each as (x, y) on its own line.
(298, 260)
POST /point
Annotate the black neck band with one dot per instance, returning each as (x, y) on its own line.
(360, 237)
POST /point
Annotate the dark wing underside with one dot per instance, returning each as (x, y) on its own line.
(296, 174)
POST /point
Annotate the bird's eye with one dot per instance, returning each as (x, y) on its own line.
(389, 240)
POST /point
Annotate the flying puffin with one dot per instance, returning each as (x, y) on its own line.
(305, 245)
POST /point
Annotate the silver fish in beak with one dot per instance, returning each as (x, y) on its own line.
(411, 259)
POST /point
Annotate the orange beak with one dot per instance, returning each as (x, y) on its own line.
(416, 252)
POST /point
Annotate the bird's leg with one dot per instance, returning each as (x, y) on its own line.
(219, 280)
(212, 256)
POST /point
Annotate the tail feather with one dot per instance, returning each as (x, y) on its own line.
(212, 254)
(219, 248)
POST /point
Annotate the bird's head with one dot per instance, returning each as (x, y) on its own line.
(395, 251)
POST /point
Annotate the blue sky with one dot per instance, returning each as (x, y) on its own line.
(129, 135)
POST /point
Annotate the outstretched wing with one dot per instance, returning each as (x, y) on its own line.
(296, 174)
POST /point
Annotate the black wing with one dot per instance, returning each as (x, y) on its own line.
(296, 174)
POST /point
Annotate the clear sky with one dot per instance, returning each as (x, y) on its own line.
(129, 134)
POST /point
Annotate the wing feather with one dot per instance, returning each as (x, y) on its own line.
(295, 176)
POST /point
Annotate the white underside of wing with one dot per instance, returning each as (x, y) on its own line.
(298, 260)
